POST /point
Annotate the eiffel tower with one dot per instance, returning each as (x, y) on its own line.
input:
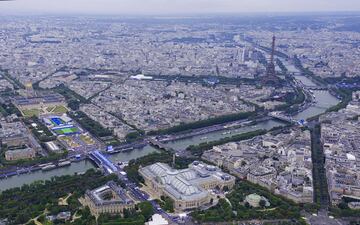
(270, 77)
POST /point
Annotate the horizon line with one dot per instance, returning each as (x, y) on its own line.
(193, 14)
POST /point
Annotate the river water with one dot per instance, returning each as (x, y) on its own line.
(17, 181)
(217, 135)
(75, 167)
(323, 99)
(133, 154)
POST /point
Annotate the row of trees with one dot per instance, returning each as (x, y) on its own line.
(40, 131)
(351, 81)
(306, 71)
(346, 97)
(197, 150)
(73, 99)
(238, 210)
(343, 210)
(9, 109)
(18, 205)
(204, 123)
(17, 84)
(28, 162)
(95, 128)
(133, 136)
(90, 125)
(292, 102)
(138, 216)
(166, 204)
(283, 68)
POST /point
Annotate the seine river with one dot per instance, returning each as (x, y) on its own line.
(323, 99)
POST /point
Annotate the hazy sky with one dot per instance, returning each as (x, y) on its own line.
(174, 6)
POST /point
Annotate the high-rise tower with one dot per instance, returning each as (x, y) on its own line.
(270, 76)
(270, 70)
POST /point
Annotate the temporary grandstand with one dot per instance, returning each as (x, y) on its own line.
(55, 121)
(69, 133)
(61, 125)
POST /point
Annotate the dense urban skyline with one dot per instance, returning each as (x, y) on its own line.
(179, 112)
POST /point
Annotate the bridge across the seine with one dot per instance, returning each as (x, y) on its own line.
(316, 88)
(102, 162)
(160, 145)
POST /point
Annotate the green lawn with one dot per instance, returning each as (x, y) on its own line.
(67, 130)
(30, 112)
(60, 109)
(88, 140)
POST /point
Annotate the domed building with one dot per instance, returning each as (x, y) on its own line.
(254, 200)
(188, 188)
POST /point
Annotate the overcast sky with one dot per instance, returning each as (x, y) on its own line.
(174, 6)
